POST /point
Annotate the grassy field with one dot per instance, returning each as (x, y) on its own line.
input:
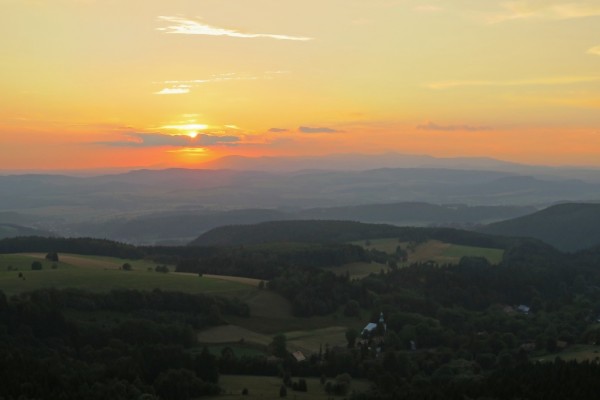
(102, 274)
(308, 341)
(262, 387)
(433, 250)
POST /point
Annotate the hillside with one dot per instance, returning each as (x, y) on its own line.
(568, 227)
(318, 231)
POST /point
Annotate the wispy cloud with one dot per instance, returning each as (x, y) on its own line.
(544, 9)
(278, 130)
(186, 26)
(432, 126)
(321, 129)
(164, 140)
(550, 81)
(594, 51)
(186, 86)
(179, 89)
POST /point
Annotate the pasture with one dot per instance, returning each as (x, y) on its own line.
(264, 387)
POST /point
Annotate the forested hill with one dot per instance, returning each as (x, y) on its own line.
(568, 227)
(318, 231)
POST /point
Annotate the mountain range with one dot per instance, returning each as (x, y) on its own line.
(175, 205)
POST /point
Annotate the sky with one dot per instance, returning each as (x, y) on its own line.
(154, 83)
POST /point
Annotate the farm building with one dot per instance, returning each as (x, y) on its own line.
(371, 328)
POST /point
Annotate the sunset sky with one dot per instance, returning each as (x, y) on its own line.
(157, 83)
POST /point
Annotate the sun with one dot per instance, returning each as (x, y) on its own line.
(192, 134)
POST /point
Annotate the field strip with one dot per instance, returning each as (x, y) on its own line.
(232, 334)
(237, 279)
(80, 261)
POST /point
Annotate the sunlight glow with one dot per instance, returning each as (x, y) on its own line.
(186, 127)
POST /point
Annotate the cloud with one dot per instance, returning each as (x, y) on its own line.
(308, 129)
(163, 140)
(185, 26)
(544, 9)
(432, 126)
(551, 81)
(278, 130)
(594, 51)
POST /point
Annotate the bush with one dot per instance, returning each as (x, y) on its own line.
(302, 386)
(52, 256)
(36, 266)
(126, 267)
(162, 268)
(282, 391)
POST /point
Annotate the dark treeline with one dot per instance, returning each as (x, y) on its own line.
(87, 246)
(271, 261)
(68, 344)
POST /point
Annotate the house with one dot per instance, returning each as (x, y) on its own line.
(369, 329)
(299, 356)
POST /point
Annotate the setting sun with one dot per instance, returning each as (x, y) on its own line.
(305, 79)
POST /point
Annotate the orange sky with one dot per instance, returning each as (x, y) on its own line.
(98, 84)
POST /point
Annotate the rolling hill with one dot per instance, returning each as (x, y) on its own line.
(568, 227)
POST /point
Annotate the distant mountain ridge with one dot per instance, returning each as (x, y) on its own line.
(182, 226)
(362, 162)
(186, 202)
(568, 227)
